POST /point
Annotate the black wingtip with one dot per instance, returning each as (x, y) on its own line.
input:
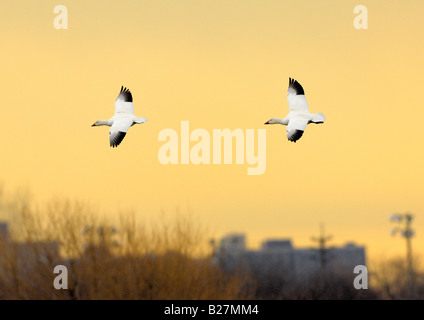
(296, 135)
(295, 85)
(125, 94)
(117, 139)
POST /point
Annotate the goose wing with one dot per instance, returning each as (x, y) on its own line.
(124, 102)
(118, 130)
(295, 128)
(296, 97)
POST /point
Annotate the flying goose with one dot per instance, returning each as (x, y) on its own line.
(299, 116)
(123, 118)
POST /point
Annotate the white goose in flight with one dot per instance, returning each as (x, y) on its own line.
(299, 116)
(123, 118)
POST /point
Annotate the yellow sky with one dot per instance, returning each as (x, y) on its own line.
(222, 64)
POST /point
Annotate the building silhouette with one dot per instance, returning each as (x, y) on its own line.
(278, 258)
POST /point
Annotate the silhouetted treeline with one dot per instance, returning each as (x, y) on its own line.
(169, 260)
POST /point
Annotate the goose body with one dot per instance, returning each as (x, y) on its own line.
(299, 116)
(123, 118)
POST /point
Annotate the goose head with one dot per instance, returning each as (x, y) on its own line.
(101, 123)
(273, 121)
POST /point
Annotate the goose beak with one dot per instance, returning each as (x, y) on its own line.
(93, 125)
(266, 122)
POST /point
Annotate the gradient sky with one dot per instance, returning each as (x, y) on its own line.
(222, 64)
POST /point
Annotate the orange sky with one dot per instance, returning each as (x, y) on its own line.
(222, 64)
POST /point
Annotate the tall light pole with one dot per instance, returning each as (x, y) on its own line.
(407, 233)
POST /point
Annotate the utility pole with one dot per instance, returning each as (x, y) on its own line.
(407, 233)
(322, 244)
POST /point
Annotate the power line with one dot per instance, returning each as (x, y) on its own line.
(322, 245)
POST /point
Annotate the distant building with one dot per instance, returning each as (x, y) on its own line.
(278, 258)
(4, 231)
(234, 243)
(26, 254)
